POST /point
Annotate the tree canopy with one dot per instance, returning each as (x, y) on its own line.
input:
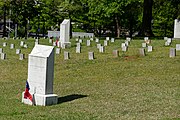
(103, 17)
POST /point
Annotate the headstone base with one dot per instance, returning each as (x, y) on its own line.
(66, 45)
(41, 100)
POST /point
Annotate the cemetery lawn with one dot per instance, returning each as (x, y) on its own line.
(106, 88)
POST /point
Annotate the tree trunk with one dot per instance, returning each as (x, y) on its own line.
(4, 27)
(118, 28)
(146, 29)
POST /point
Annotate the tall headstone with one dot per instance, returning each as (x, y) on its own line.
(41, 76)
(177, 47)
(91, 55)
(65, 33)
(172, 52)
(176, 28)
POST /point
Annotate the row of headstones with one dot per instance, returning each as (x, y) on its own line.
(18, 52)
(12, 46)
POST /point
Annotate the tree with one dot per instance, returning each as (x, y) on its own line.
(146, 29)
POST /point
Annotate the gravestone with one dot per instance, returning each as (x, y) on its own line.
(128, 39)
(115, 53)
(11, 46)
(77, 39)
(66, 55)
(4, 44)
(88, 42)
(91, 55)
(54, 44)
(172, 52)
(165, 38)
(65, 33)
(124, 48)
(176, 28)
(146, 38)
(22, 43)
(127, 43)
(78, 44)
(91, 39)
(169, 40)
(1, 50)
(123, 44)
(112, 40)
(177, 47)
(107, 38)
(167, 43)
(50, 40)
(97, 40)
(144, 45)
(150, 49)
(25, 46)
(142, 52)
(3, 56)
(80, 41)
(41, 76)
(18, 51)
(78, 49)
(101, 49)
(98, 46)
(57, 50)
(21, 57)
(105, 43)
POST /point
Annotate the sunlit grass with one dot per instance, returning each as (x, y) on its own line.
(131, 87)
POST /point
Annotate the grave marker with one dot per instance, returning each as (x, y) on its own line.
(124, 48)
(115, 53)
(21, 57)
(57, 50)
(144, 45)
(97, 40)
(3, 56)
(78, 49)
(172, 52)
(91, 55)
(177, 47)
(18, 51)
(112, 40)
(4, 44)
(11, 46)
(66, 55)
(150, 49)
(41, 76)
(88, 42)
(142, 52)
(1, 50)
(105, 43)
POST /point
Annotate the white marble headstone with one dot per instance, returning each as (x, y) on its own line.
(172, 52)
(144, 45)
(1, 50)
(142, 52)
(66, 55)
(21, 56)
(150, 49)
(115, 53)
(177, 47)
(3, 56)
(88, 42)
(176, 28)
(78, 49)
(41, 76)
(91, 55)
(18, 51)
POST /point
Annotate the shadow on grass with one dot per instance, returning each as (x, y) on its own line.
(69, 98)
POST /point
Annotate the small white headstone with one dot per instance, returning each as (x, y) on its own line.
(150, 49)
(80, 41)
(77, 39)
(177, 47)
(101, 49)
(50, 40)
(91, 55)
(21, 57)
(144, 45)
(3, 56)
(18, 51)
(57, 50)
(128, 39)
(88, 42)
(78, 44)
(105, 43)
(124, 48)
(98, 46)
(1, 50)
(66, 55)
(91, 39)
(166, 38)
(97, 40)
(112, 40)
(11, 46)
(169, 40)
(167, 43)
(146, 38)
(107, 38)
(25, 46)
(4, 44)
(123, 44)
(127, 43)
(172, 52)
(54, 44)
(78, 49)
(22, 43)
(176, 28)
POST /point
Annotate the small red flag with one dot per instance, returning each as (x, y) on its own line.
(27, 95)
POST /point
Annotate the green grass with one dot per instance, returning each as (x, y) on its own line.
(107, 88)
